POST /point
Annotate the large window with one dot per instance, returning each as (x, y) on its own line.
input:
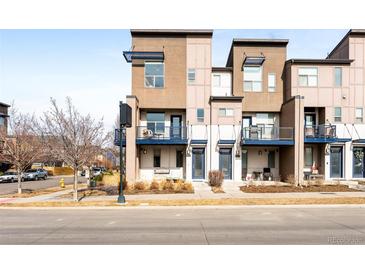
(271, 82)
(308, 77)
(359, 115)
(252, 76)
(337, 114)
(338, 77)
(308, 156)
(157, 158)
(2, 121)
(154, 75)
(200, 115)
(156, 122)
(226, 112)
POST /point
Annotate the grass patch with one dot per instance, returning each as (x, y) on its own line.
(290, 188)
(27, 193)
(199, 202)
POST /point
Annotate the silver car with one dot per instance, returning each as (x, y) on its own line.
(35, 174)
(10, 177)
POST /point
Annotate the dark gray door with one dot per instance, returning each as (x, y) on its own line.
(336, 162)
(244, 163)
(176, 126)
(358, 166)
(198, 155)
(225, 162)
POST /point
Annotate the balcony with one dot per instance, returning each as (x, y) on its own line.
(268, 135)
(320, 134)
(161, 135)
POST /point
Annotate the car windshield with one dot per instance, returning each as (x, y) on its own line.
(31, 170)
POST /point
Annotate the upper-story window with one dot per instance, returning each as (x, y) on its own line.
(308, 77)
(154, 75)
(2, 121)
(271, 82)
(225, 112)
(337, 114)
(216, 80)
(191, 75)
(252, 76)
(200, 115)
(156, 122)
(338, 77)
(359, 115)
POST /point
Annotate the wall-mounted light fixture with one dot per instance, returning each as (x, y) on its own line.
(260, 152)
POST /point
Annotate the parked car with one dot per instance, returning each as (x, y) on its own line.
(10, 177)
(35, 174)
(96, 171)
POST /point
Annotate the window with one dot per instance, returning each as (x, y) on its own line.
(226, 112)
(271, 82)
(156, 122)
(252, 76)
(2, 121)
(200, 115)
(216, 80)
(154, 75)
(337, 114)
(308, 156)
(358, 115)
(271, 159)
(338, 77)
(191, 75)
(156, 158)
(308, 77)
(179, 158)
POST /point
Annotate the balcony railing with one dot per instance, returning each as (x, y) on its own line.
(162, 134)
(320, 132)
(267, 133)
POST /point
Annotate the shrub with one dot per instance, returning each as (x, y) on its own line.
(154, 185)
(179, 185)
(215, 178)
(168, 185)
(98, 178)
(140, 186)
(188, 187)
(290, 179)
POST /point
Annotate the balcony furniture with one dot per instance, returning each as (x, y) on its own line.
(315, 177)
(310, 131)
(147, 133)
(257, 175)
(254, 133)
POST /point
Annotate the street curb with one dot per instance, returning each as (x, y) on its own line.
(118, 207)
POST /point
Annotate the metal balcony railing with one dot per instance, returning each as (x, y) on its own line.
(158, 132)
(320, 131)
(267, 133)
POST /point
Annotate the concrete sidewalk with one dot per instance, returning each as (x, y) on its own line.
(202, 191)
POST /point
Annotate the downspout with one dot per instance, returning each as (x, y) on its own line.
(210, 136)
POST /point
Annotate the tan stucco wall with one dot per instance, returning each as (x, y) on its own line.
(230, 120)
(265, 101)
(173, 95)
(132, 161)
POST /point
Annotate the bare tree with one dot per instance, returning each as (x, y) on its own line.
(22, 146)
(75, 135)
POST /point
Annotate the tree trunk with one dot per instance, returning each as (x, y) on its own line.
(19, 182)
(75, 185)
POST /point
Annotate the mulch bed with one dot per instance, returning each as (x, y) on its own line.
(217, 189)
(283, 189)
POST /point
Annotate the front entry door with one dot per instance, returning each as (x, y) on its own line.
(176, 126)
(198, 171)
(225, 162)
(244, 163)
(246, 123)
(336, 162)
(358, 162)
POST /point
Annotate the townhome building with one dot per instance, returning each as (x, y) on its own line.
(260, 117)
(4, 126)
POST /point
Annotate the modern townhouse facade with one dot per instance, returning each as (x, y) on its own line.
(261, 117)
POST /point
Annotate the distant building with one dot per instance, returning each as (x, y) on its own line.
(4, 124)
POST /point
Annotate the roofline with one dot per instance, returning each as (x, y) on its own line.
(225, 98)
(221, 69)
(320, 61)
(172, 31)
(349, 33)
(260, 41)
(4, 105)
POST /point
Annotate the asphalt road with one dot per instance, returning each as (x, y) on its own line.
(7, 188)
(178, 225)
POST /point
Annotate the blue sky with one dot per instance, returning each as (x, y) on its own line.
(87, 65)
